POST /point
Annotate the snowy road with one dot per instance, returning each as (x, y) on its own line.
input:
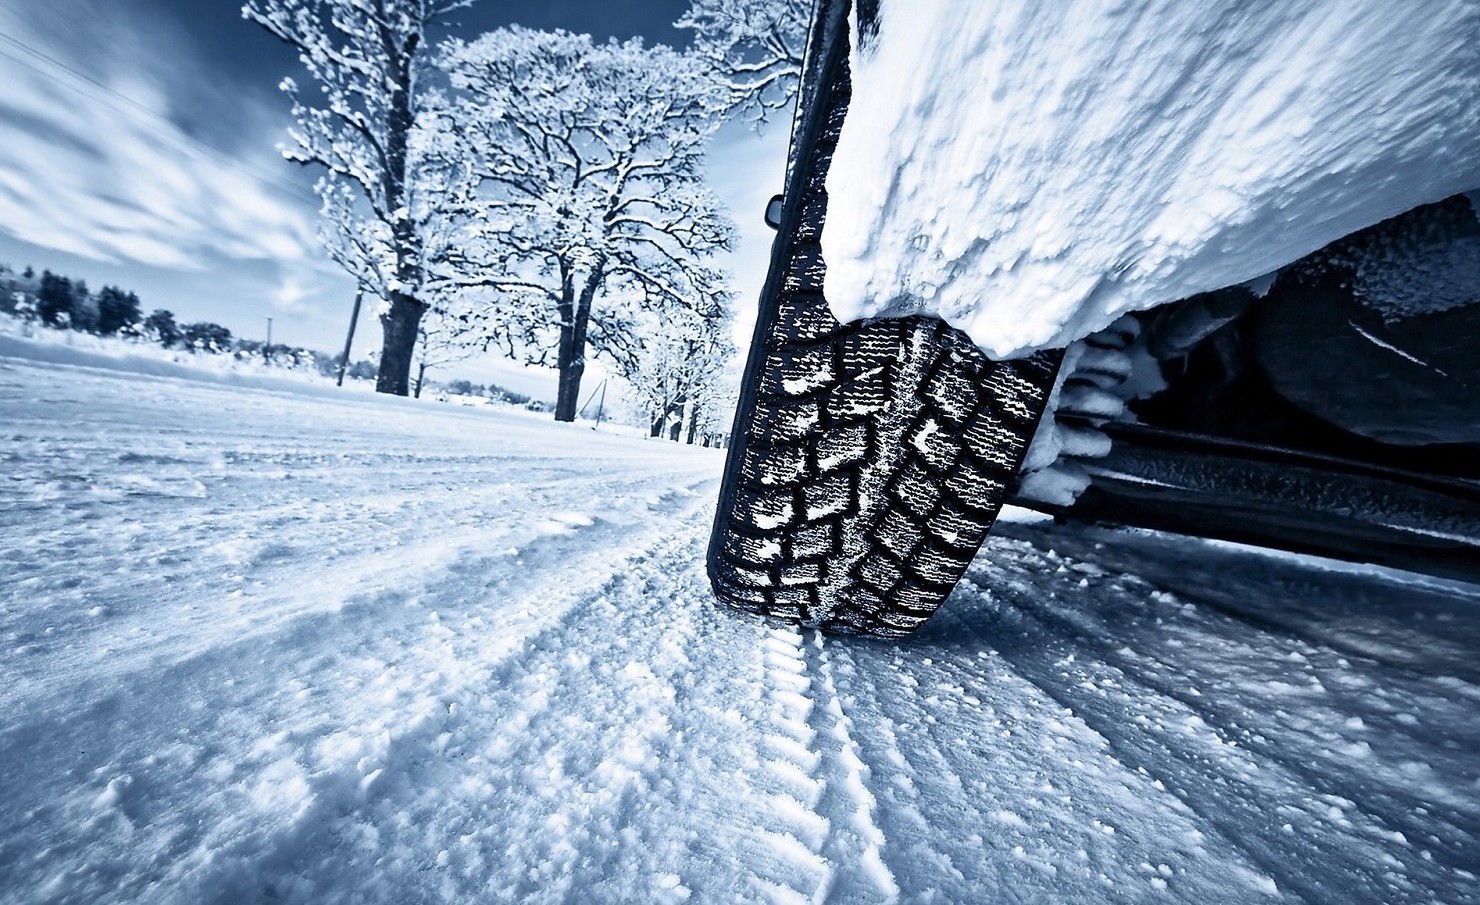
(310, 647)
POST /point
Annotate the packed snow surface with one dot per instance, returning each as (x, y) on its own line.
(1032, 169)
(274, 644)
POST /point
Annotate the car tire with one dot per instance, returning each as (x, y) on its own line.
(868, 460)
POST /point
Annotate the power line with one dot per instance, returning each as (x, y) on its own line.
(221, 154)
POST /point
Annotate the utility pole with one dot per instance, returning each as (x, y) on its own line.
(267, 349)
(350, 337)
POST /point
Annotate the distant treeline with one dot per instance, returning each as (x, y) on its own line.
(61, 303)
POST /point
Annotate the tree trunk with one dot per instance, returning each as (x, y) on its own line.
(565, 361)
(575, 318)
(693, 422)
(401, 321)
(421, 376)
(658, 423)
(399, 346)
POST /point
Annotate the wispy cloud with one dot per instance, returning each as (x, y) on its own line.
(93, 161)
(291, 295)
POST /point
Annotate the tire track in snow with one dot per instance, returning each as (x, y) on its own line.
(280, 595)
(1334, 770)
(821, 782)
(914, 861)
(856, 842)
(793, 763)
(951, 785)
(1238, 799)
(394, 694)
(1271, 713)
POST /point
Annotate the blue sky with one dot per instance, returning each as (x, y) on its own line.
(140, 145)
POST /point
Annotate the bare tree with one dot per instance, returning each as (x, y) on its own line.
(383, 180)
(591, 205)
(754, 47)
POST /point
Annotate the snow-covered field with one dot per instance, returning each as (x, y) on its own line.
(274, 644)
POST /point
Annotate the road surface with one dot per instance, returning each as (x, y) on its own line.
(292, 645)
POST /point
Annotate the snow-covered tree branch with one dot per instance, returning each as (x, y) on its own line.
(754, 47)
